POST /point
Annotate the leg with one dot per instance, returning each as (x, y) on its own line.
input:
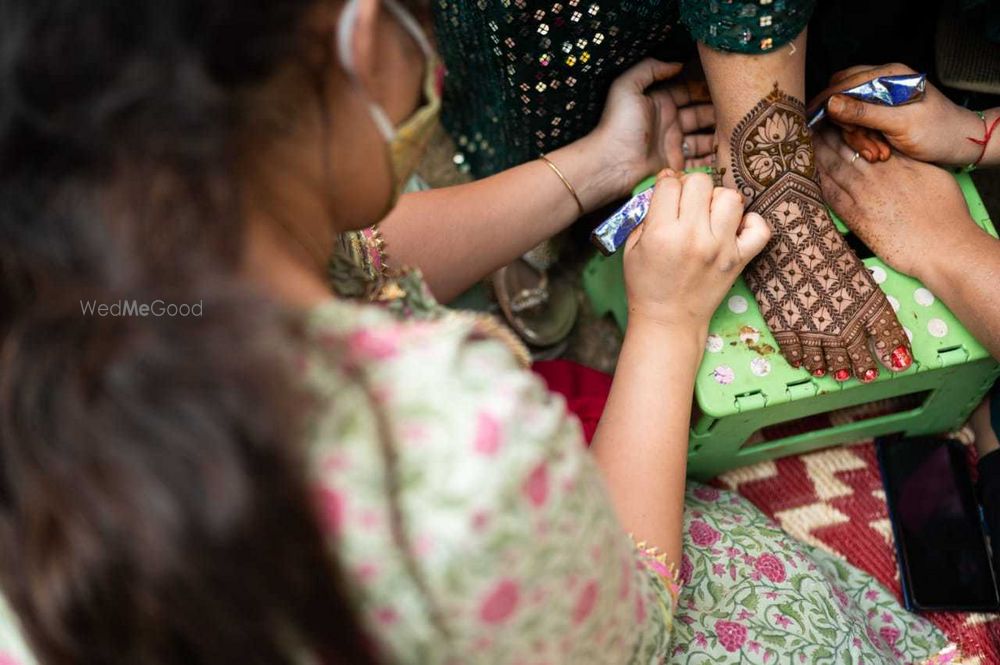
(819, 300)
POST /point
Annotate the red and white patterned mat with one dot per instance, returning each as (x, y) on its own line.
(833, 499)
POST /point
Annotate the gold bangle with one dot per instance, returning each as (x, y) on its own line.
(569, 186)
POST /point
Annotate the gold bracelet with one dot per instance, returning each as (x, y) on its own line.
(569, 186)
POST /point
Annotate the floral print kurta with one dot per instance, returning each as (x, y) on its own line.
(474, 526)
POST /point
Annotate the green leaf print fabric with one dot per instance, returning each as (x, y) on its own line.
(752, 594)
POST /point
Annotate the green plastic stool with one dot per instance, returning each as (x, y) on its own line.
(755, 406)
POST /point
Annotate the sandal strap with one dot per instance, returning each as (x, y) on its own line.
(530, 298)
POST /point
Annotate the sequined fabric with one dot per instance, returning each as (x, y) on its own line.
(746, 27)
(524, 77)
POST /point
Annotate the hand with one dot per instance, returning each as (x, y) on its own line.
(695, 241)
(909, 213)
(933, 129)
(644, 130)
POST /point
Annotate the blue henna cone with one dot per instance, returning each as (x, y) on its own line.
(612, 233)
(885, 90)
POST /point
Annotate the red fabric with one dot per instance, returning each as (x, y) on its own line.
(789, 488)
(585, 389)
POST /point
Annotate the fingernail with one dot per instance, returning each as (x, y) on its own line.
(900, 359)
(867, 155)
(842, 375)
(796, 364)
(835, 104)
(870, 375)
(819, 372)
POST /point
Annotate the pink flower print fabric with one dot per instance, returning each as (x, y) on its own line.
(500, 544)
(751, 594)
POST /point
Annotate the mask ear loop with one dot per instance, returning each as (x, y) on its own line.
(345, 26)
(412, 27)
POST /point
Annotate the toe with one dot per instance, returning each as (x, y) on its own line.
(838, 362)
(889, 341)
(790, 347)
(862, 362)
(814, 359)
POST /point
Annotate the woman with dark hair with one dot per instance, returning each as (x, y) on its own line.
(206, 458)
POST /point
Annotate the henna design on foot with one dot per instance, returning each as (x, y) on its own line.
(821, 303)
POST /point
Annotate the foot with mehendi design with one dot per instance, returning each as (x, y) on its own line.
(821, 303)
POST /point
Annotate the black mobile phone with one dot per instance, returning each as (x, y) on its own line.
(941, 547)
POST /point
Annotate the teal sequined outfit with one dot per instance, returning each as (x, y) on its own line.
(527, 76)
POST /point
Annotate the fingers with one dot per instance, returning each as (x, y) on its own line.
(697, 145)
(726, 213)
(848, 110)
(853, 76)
(696, 201)
(753, 236)
(853, 159)
(687, 92)
(876, 138)
(834, 166)
(698, 116)
(839, 159)
(664, 207)
(861, 142)
(699, 162)
(867, 144)
(674, 153)
(646, 72)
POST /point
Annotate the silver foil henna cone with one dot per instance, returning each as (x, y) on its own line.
(612, 233)
(886, 90)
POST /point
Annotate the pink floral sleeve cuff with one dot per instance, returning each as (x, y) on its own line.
(656, 561)
(366, 248)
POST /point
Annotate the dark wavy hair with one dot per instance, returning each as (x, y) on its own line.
(154, 507)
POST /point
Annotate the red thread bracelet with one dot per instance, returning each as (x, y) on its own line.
(983, 142)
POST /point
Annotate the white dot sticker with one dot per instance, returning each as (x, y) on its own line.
(894, 303)
(937, 327)
(760, 366)
(713, 344)
(923, 297)
(909, 335)
(878, 274)
(723, 374)
(738, 304)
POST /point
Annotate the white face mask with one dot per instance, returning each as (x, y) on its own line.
(405, 144)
